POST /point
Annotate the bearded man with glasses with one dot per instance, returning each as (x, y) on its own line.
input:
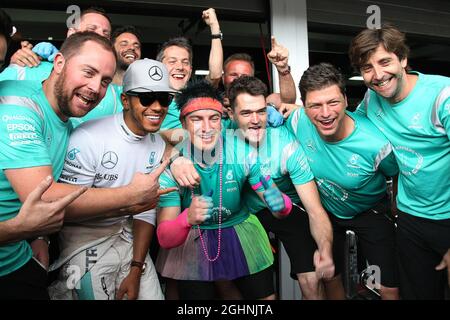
(111, 254)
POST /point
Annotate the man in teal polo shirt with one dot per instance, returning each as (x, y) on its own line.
(28, 223)
(307, 236)
(177, 55)
(413, 111)
(34, 125)
(350, 159)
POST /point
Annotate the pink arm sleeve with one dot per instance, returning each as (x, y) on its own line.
(288, 206)
(173, 233)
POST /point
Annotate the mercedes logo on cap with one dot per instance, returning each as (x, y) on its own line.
(155, 73)
(109, 160)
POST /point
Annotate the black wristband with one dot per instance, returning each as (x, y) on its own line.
(285, 72)
(217, 36)
(175, 157)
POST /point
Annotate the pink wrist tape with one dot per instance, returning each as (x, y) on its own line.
(173, 233)
(287, 206)
(259, 184)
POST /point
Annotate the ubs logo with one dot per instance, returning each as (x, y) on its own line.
(109, 160)
(155, 73)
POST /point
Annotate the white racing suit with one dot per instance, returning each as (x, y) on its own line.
(96, 253)
(96, 270)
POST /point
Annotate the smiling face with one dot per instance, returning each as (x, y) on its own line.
(94, 22)
(204, 128)
(250, 114)
(235, 69)
(177, 61)
(128, 50)
(325, 108)
(83, 79)
(142, 119)
(385, 74)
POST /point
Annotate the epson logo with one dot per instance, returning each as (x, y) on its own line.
(20, 127)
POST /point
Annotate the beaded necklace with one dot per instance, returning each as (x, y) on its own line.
(219, 240)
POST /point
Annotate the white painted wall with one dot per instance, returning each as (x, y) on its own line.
(289, 25)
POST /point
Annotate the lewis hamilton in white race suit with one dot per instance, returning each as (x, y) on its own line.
(107, 257)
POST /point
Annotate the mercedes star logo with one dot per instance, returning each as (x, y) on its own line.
(155, 73)
(109, 160)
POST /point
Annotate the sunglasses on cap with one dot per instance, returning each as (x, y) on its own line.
(148, 98)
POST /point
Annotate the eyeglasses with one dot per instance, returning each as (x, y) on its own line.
(148, 98)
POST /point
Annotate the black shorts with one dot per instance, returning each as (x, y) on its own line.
(421, 245)
(251, 287)
(376, 241)
(293, 231)
(26, 283)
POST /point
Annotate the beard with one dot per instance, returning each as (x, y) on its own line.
(122, 64)
(61, 97)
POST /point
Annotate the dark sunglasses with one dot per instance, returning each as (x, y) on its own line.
(147, 99)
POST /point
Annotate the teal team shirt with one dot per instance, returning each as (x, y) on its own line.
(172, 119)
(350, 174)
(281, 157)
(418, 128)
(240, 164)
(15, 72)
(109, 105)
(32, 135)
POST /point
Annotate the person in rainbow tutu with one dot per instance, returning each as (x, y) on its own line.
(204, 232)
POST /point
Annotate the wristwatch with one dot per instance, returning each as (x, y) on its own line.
(45, 238)
(217, 36)
(175, 157)
(140, 265)
(285, 72)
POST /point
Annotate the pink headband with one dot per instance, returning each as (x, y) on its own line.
(201, 104)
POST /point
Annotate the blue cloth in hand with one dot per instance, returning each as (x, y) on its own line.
(46, 50)
(274, 118)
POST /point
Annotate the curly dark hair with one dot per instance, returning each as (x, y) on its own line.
(197, 88)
